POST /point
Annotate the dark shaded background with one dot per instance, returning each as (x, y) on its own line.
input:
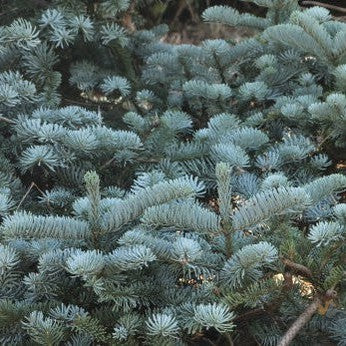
(172, 12)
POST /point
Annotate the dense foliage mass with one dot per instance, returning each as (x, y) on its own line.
(158, 194)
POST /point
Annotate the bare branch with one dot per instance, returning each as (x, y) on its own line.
(32, 185)
(331, 7)
(300, 323)
(298, 268)
(306, 316)
(7, 120)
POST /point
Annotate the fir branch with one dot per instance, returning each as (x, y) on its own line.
(278, 201)
(298, 268)
(163, 192)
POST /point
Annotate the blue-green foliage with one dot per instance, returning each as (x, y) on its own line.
(167, 194)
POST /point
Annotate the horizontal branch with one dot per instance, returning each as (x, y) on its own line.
(298, 268)
(331, 7)
(7, 120)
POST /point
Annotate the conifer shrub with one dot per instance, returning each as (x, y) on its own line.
(158, 194)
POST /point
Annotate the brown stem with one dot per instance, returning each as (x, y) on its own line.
(7, 120)
(107, 163)
(181, 7)
(298, 268)
(325, 139)
(128, 22)
(331, 7)
(33, 184)
(300, 322)
(288, 282)
(229, 339)
(25, 195)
